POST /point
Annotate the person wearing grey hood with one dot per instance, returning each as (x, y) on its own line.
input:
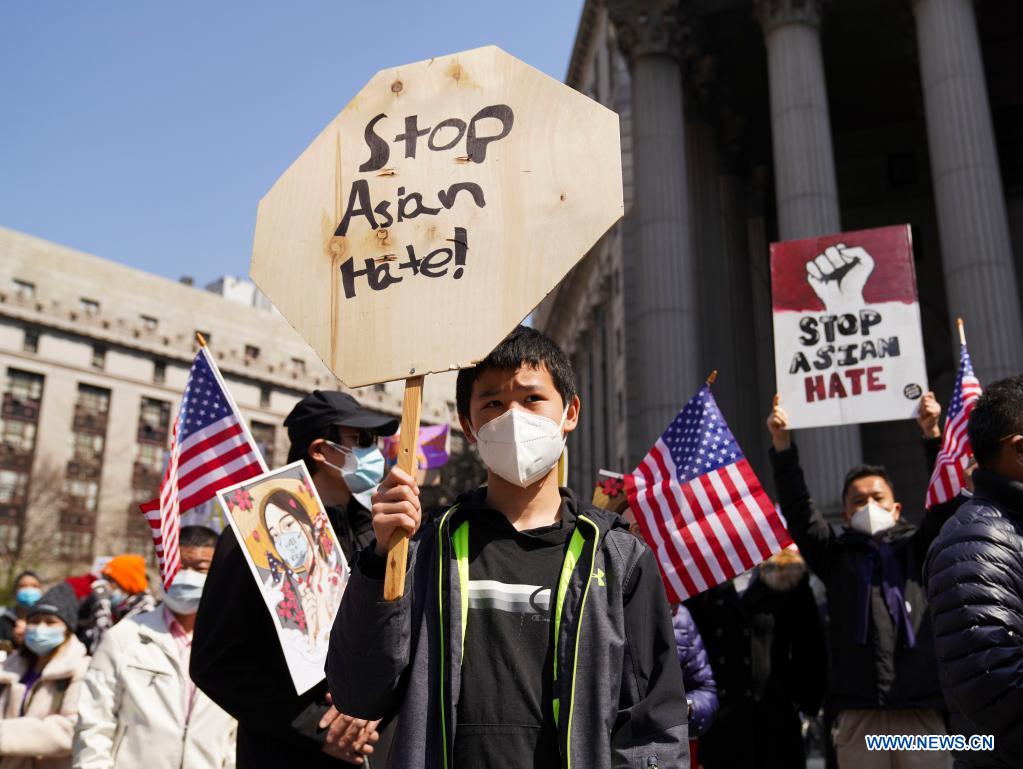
(236, 655)
(39, 686)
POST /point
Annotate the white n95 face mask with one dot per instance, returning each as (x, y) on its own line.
(520, 446)
(872, 519)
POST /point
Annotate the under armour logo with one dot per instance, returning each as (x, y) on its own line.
(599, 576)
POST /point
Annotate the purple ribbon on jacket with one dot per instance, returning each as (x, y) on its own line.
(893, 585)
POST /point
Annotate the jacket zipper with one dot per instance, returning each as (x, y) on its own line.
(578, 637)
(441, 547)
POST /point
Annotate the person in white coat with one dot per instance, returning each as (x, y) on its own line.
(138, 707)
(39, 686)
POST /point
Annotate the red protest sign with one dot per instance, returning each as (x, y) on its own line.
(848, 345)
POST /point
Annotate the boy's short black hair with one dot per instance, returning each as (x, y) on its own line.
(522, 347)
(867, 471)
(996, 414)
(197, 536)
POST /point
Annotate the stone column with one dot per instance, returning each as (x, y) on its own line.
(806, 191)
(980, 278)
(661, 312)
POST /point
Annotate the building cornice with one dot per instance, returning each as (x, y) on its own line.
(649, 27)
(778, 13)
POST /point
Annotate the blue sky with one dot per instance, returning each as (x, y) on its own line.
(147, 132)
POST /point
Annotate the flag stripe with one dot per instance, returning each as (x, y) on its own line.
(671, 559)
(775, 533)
(678, 507)
(750, 524)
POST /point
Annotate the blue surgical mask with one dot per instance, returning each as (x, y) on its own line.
(293, 547)
(27, 596)
(182, 597)
(363, 468)
(117, 597)
(43, 639)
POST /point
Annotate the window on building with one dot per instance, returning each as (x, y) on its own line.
(86, 447)
(31, 341)
(23, 289)
(264, 436)
(22, 396)
(151, 457)
(298, 365)
(91, 409)
(149, 323)
(24, 386)
(18, 435)
(99, 356)
(380, 387)
(94, 399)
(83, 495)
(86, 455)
(264, 397)
(74, 543)
(13, 487)
(154, 419)
(251, 352)
(159, 372)
(88, 306)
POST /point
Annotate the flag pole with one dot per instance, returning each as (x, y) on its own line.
(712, 378)
(205, 352)
(962, 331)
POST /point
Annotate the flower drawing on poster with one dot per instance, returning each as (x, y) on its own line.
(295, 559)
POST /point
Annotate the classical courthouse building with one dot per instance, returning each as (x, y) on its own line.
(751, 121)
(93, 361)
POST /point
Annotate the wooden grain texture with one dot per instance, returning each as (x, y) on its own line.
(397, 548)
(547, 191)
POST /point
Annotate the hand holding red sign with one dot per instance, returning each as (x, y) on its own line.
(778, 426)
(847, 340)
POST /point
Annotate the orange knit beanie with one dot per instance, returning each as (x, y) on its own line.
(128, 571)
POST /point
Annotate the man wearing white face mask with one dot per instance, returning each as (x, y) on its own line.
(884, 677)
(138, 705)
(237, 659)
(534, 631)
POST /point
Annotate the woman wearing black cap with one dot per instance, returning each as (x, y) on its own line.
(236, 656)
(39, 686)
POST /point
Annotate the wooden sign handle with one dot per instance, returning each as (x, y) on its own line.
(397, 548)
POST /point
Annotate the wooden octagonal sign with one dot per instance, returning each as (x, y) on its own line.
(435, 212)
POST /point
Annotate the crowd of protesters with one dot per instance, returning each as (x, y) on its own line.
(878, 627)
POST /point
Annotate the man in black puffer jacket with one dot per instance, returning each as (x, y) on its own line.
(974, 578)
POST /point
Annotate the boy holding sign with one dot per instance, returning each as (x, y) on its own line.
(533, 630)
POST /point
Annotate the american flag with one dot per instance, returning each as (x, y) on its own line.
(699, 504)
(211, 448)
(948, 476)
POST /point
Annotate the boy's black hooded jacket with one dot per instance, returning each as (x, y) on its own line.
(619, 685)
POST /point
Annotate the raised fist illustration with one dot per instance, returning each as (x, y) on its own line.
(839, 274)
